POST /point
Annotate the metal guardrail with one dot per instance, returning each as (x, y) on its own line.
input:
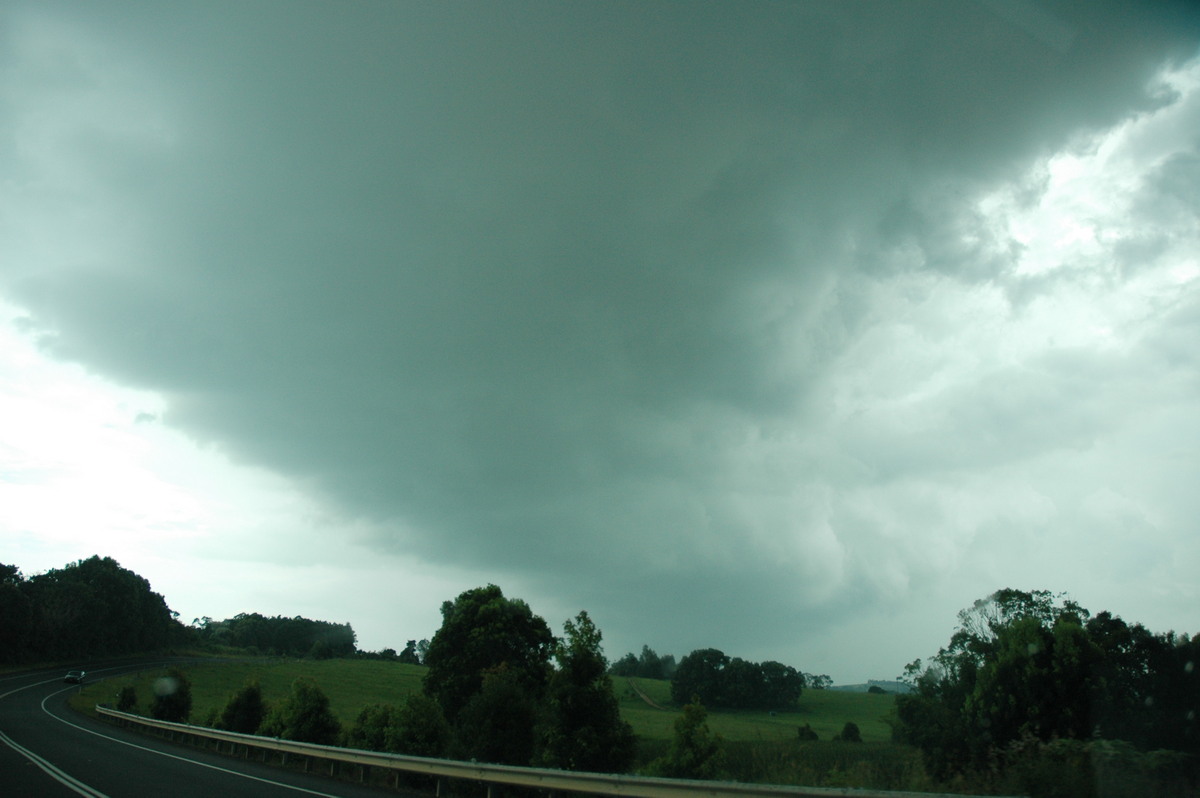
(534, 778)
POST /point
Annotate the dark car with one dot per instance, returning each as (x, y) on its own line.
(75, 677)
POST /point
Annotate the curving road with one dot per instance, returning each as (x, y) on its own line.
(46, 749)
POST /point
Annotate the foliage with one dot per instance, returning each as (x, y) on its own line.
(419, 728)
(483, 632)
(849, 733)
(415, 727)
(497, 723)
(280, 636)
(1038, 666)
(723, 682)
(695, 752)
(582, 727)
(817, 681)
(370, 730)
(303, 716)
(88, 608)
(806, 732)
(127, 700)
(1086, 768)
(409, 655)
(647, 666)
(245, 710)
(172, 697)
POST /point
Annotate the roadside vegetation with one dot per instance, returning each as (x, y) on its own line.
(1033, 694)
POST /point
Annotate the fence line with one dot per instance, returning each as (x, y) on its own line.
(510, 775)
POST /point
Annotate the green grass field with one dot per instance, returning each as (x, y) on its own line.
(825, 710)
(350, 684)
(759, 746)
(354, 684)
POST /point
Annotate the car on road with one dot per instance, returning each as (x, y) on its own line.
(74, 677)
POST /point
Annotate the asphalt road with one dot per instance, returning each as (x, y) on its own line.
(48, 750)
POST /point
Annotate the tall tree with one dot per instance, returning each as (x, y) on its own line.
(1038, 665)
(700, 674)
(483, 632)
(583, 729)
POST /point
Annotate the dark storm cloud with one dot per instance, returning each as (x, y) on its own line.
(555, 288)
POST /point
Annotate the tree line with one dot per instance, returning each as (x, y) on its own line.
(279, 636)
(1034, 674)
(91, 607)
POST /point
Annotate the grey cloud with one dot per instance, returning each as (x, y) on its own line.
(526, 279)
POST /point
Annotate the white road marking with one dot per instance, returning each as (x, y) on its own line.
(62, 778)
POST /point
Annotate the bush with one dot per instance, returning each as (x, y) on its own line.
(419, 728)
(849, 733)
(172, 697)
(806, 732)
(695, 752)
(127, 700)
(245, 710)
(371, 729)
(416, 727)
(304, 716)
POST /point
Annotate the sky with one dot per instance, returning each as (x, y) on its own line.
(786, 328)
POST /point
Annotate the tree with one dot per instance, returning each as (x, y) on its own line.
(370, 729)
(583, 729)
(695, 751)
(16, 616)
(244, 711)
(1035, 666)
(782, 684)
(723, 682)
(816, 681)
(497, 722)
(700, 674)
(303, 716)
(415, 727)
(409, 654)
(625, 666)
(483, 632)
(172, 697)
(419, 728)
(93, 607)
(127, 700)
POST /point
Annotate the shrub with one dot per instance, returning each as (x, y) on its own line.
(419, 728)
(849, 733)
(172, 697)
(245, 710)
(695, 752)
(304, 716)
(127, 700)
(371, 729)
(806, 732)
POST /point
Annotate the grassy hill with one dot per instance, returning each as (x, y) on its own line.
(825, 710)
(759, 746)
(354, 684)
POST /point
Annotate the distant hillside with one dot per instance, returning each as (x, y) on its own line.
(898, 688)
